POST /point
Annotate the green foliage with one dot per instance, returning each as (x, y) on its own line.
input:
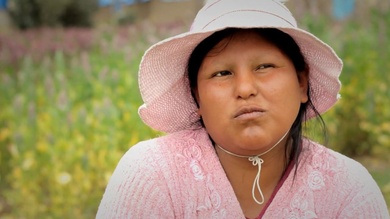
(65, 123)
(126, 19)
(36, 13)
(359, 124)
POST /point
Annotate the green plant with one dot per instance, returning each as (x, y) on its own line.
(38, 13)
(359, 123)
(64, 125)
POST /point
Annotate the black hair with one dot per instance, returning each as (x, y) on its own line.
(290, 48)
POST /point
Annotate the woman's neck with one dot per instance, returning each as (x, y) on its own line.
(275, 162)
(241, 173)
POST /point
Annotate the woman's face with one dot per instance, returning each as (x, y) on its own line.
(248, 93)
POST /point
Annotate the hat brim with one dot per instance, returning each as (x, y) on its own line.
(168, 104)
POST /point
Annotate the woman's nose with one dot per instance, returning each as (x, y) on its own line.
(245, 84)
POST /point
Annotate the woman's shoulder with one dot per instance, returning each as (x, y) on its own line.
(166, 145)
(171, 154)
(321, 157)
(333, 178)
(328, 184)
(153, 156)
(184, 167)
(326, 171)
(161, 165)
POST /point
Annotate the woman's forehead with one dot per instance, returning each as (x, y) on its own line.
(238, 38)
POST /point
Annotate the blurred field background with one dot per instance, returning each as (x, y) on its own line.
(69, 94)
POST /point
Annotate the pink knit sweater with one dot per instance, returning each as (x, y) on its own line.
(180, 176)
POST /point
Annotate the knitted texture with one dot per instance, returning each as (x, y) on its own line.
(180, 176)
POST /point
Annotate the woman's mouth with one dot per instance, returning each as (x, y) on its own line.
(249, 113)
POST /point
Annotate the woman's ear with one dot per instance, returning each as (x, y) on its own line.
(303, 78)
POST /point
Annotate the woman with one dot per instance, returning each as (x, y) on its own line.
(232, 94)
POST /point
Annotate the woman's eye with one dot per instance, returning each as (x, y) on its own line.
(264, 66)
(221, 73)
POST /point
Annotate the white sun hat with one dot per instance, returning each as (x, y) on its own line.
(164, 86)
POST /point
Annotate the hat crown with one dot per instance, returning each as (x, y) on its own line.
(220, 14)
(164, 86)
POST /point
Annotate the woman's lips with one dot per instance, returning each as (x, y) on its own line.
(249, 113)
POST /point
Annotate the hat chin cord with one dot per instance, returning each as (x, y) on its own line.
(256, 161)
